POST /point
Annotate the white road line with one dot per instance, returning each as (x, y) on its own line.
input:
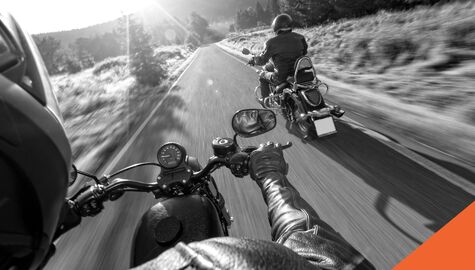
(424, 162)
(126, 147)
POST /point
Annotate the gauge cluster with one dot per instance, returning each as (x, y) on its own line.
(171, 155)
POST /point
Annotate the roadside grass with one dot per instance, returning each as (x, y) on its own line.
(423, 57)
(103, 105)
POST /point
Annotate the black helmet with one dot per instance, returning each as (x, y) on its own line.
(282, 23)
(35, 154)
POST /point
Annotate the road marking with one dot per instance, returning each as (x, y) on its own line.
(126, 147)
(422, 161)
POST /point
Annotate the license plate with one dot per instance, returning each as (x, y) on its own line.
(324, 126)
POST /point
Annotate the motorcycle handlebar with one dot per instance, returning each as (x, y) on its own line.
(99, 193)
(212, 163)
(217, 161)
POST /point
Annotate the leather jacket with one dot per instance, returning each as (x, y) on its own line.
(284, 50)
(302, 240)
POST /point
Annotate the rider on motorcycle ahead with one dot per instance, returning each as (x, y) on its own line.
(35, 158)
(284, 49)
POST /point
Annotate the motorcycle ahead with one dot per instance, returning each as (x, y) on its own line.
(300, 100)
(190, 207)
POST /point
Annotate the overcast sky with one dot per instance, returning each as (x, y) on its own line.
(39, 16)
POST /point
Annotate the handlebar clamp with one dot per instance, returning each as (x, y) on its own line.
(90, 202)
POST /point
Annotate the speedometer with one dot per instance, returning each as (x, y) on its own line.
(171, 155)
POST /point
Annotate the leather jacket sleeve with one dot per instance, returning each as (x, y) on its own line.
(264, 56)
(297, 226)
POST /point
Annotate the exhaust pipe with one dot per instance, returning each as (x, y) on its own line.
(324, 112)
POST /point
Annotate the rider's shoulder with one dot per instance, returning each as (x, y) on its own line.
(295, 34)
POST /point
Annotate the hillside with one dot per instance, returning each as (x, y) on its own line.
(214, 10)
(68, 37)
(168, 12)
(412, 72)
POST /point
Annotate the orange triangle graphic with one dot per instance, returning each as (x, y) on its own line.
(452, 247)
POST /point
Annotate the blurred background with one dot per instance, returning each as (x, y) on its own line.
(401, 68)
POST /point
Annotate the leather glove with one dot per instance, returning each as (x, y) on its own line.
(252, 62)
(262, 74)
(238, 164)
(266, 159)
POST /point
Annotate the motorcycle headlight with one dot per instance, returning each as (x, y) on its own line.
(313, 97)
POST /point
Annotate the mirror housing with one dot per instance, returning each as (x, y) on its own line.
(73, 175)
(246, 51)
(252, 122)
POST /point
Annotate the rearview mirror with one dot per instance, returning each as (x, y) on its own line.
(245, 51)
(253, 122)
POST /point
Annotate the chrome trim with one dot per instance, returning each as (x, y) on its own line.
(324, 112)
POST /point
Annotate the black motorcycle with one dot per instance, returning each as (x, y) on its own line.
(190, 207)
(300, 100)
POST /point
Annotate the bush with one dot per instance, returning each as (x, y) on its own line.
(193, 40)
(393, 50)
(108, 64)
(462, 35)
(87, 62)
(147, 72)
(72, 65)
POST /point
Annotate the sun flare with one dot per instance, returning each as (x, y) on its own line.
(59, 15)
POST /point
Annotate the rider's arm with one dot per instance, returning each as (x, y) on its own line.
(264, 56)
(305, 46)
(294, 222)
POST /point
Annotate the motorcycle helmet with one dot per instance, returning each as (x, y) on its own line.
(35, 154)
(282, 23)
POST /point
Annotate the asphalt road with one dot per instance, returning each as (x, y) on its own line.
(381, 200)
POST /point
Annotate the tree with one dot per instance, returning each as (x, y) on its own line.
(246, 18)
(72, 64)
(99, 47)
(199, 25)
(352, 8)
(49, 48)
(144, 65)
(308, 12)
(261, 15)
(273, 8)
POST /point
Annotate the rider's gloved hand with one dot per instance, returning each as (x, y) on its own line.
(266, 159)
(252, 62)
(262, 74)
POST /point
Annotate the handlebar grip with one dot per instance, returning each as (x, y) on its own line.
(287, 145)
